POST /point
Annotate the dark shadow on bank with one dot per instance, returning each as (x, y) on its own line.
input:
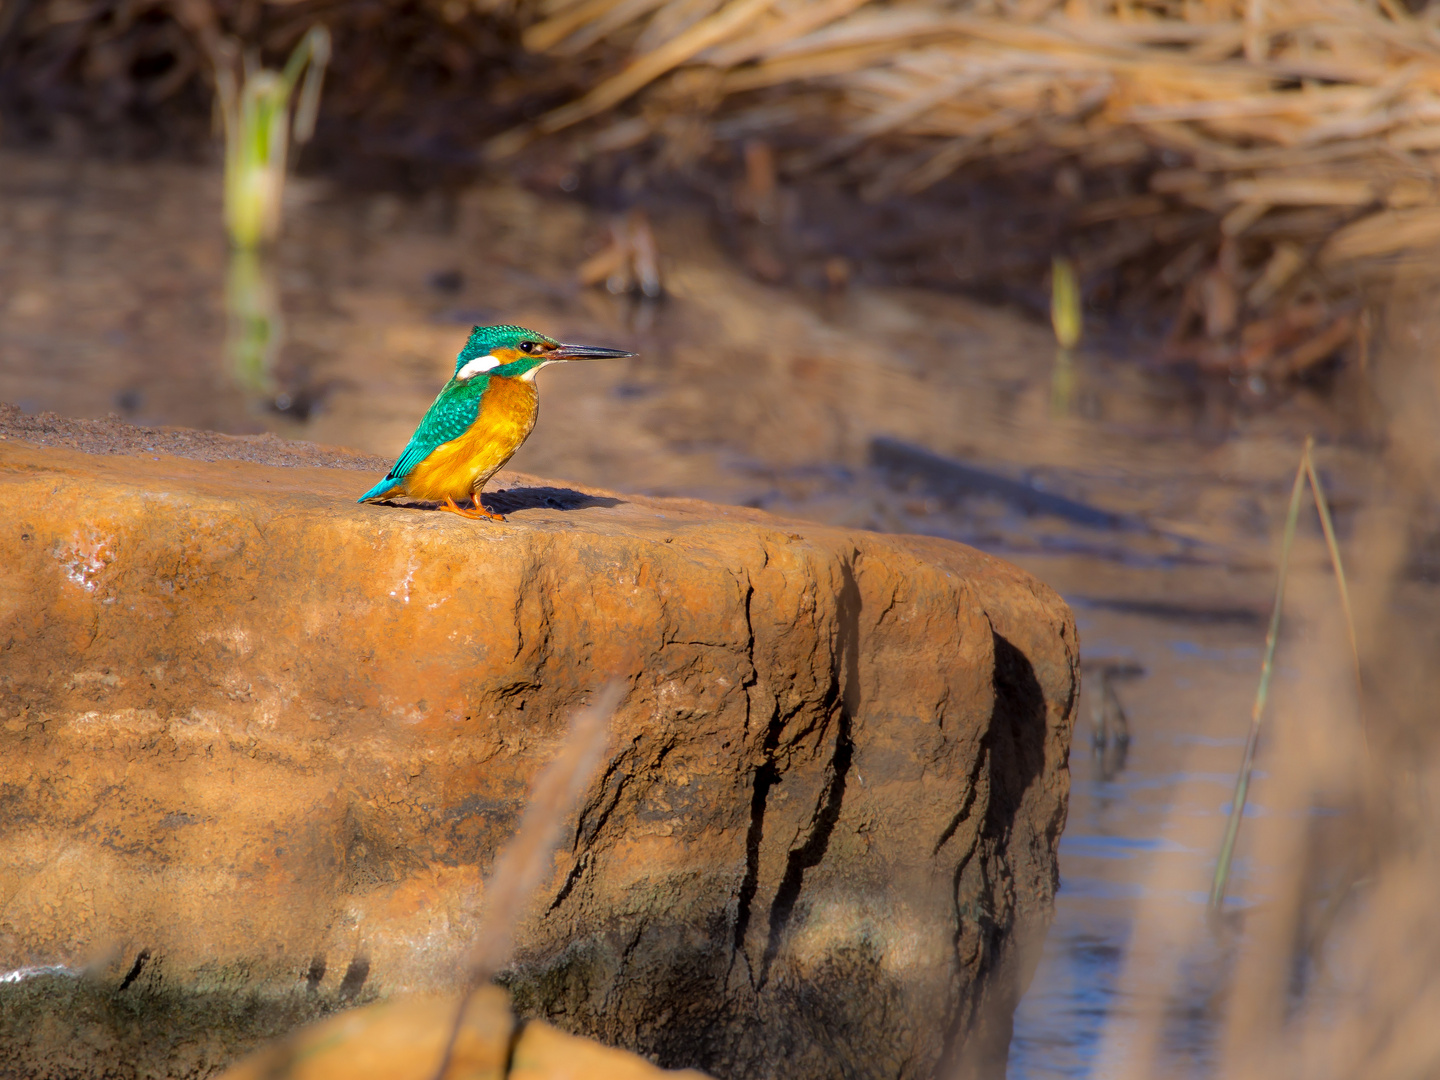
(978, 1036)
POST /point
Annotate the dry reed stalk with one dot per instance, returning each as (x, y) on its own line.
(1165, 933)
(1316, 762)
(1385, 233)
(521, 866)
(649, 67)
(795, 25)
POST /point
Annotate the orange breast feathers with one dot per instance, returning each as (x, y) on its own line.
(460, 467)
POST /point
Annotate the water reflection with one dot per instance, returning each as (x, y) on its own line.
(1109, 726)
(1075, 997)
(254, 325)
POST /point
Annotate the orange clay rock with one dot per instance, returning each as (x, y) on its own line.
(405, 1039)
(259, 746)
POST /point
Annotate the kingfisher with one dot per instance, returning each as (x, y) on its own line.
(479, 419)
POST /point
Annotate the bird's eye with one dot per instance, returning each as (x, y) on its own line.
(527, 346)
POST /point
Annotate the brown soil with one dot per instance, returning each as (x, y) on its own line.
(114, 436)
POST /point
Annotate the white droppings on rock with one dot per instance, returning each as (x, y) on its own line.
(401, 592)
(85, 557)
(20, 974)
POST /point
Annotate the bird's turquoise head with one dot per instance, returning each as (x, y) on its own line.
(519, 353)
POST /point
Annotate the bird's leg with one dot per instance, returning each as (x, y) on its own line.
(467, 512)
(480, 510)
(475, 512)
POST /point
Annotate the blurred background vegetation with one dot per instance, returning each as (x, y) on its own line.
(1236, 178)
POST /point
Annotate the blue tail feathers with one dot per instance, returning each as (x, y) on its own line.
(386, 485)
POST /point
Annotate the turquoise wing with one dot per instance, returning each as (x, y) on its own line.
(449, 416)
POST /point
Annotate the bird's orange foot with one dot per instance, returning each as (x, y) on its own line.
(475, 511)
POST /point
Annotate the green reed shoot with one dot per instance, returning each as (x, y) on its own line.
(256, 110)
(1065, 314)
(1067, 321)
(1305, 471)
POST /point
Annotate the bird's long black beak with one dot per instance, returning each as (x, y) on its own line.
(587, 352)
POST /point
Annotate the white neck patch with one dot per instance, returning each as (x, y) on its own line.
(478, 366)
(529, 376)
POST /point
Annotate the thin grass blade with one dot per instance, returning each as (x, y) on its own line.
(1262, 692)
(1322, 506)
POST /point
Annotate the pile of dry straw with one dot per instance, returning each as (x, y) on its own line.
(1288, 149)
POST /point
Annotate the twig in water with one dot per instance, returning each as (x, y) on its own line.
(520, 867)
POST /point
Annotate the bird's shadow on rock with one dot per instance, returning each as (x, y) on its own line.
(511, 500)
